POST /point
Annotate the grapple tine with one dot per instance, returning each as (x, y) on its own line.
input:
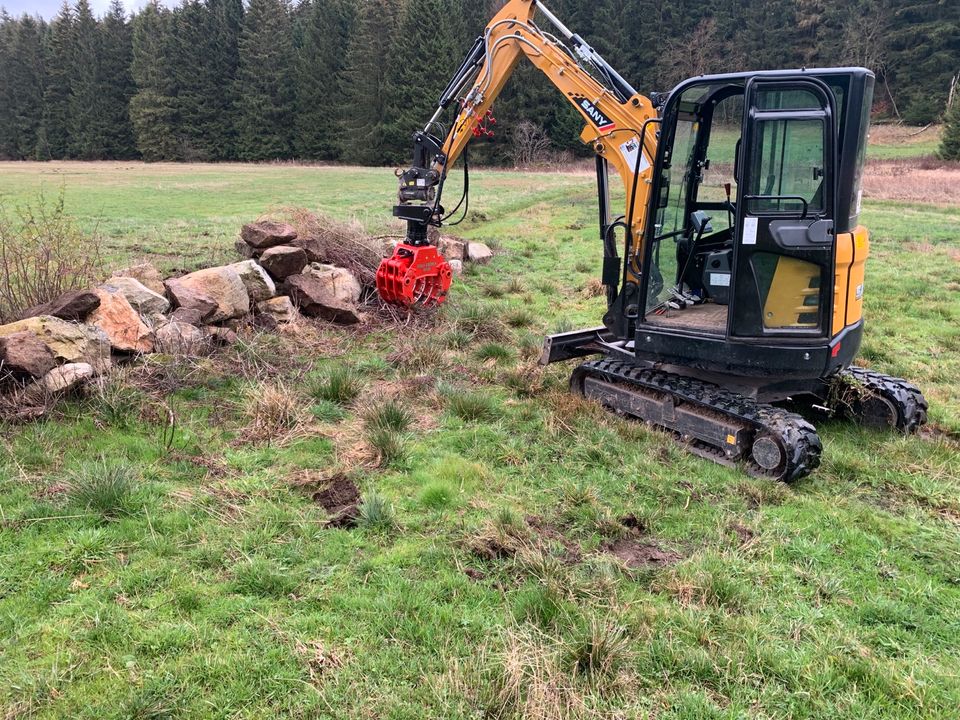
(414, 275)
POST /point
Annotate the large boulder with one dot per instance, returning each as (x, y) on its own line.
(339, 282)
(67, 341)
(190, 299)
(258, 283)
(144, 300)
(451, 248)
(283, 261)
(72, 306)
(67, 377)
(122, 325)
(222, 285)
(180, 338)
(314, 299)
(477, 252)
(146, 274)
(267, 233)
(281, 309)
(24, 354)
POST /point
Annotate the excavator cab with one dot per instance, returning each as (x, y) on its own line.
(752, 234)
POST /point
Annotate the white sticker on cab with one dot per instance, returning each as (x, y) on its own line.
(750, 231)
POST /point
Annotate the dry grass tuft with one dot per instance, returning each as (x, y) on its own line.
(529, 675)
(275, 414)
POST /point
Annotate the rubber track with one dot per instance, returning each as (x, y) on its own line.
(797, 436)
(910, 403)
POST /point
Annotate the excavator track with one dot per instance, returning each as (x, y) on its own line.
(714, 423)
(881, 401)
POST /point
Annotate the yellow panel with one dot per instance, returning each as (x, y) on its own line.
(793, 282)
(861, 251)
(844, 261)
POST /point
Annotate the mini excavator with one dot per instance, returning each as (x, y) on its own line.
(738, 298)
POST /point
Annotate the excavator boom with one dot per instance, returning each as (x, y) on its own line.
(620, 125)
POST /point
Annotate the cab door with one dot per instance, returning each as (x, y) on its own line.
(784, 235)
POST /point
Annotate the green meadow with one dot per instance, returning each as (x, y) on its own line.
(519, 553)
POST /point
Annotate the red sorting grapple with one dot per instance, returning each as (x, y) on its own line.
(414, 275)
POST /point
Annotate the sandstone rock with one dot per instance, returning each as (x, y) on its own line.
(144, 273)
(189, 298)
(311, 246)
(67, 341)
(340, 282)
(313, 298)
(222, 285)
(283, 261)
(267, 233)
(24, 354)
(258, 283)
(188, 316)
(144, 300)
(73, 306)
(478, 252)
(456, 266)
(280, 309)
(122, 325)
(67, 377)
(451, 248)
(180, 338)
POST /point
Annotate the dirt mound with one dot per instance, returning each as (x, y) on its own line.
(642, 554)
(341, 499)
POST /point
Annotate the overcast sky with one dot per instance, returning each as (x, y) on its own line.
(49, 8)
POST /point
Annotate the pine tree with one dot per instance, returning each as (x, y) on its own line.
(21, 86)
(116, 83)
(367, 93)
(326, 26)
(950, 142)
(413, 86)
(206, 35)
(87, 118)
(265, 93)
(59, 64)
(153, 109)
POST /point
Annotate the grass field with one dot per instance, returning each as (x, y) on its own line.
(521, 554)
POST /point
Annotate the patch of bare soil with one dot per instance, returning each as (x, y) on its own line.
(911, 180)
(340, 497)
(642, 553)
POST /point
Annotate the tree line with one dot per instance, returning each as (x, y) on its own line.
(349, 80)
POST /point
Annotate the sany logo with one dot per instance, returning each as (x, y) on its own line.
(595, 114)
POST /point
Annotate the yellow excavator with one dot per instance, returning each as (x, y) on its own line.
(739, 291)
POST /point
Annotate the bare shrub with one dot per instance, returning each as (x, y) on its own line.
(531, 144)
(345, 244)
(43, 254)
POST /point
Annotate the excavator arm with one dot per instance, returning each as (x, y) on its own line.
(620, 126)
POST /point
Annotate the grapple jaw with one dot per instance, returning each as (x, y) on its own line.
(414, 275)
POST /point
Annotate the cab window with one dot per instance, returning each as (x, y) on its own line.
(788, 163)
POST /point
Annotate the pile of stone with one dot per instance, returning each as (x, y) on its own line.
(455, 250)
(78, 336)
